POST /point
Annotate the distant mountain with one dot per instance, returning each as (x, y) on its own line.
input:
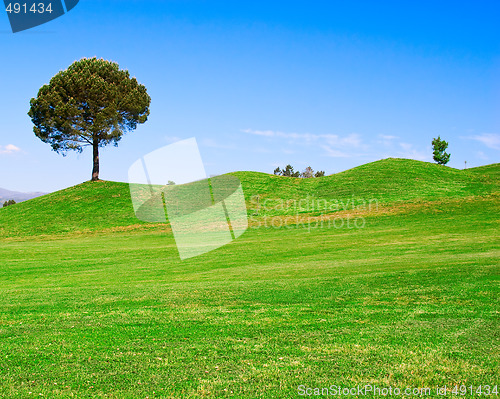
(17, 196)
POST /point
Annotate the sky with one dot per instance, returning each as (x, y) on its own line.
(261, 84)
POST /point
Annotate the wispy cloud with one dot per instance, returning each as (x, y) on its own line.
(350, 145)
(334, 145)
(352, 139)
(266, 133)
(409, 151)
(387, 137)
(386, 140)
(9, 149)
(490, 140)
(334, 153)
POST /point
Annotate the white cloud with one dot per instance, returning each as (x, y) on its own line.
(490, 140)
(9, 149)
(352, 139)
(334, 153)
(387, 137)
(350, 145)
(410, 152)
(267, 133)
(334, 145)
(386, 140)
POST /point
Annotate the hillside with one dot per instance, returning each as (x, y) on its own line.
(388, 180)
(491, 171)
(409, 299)
(104, 205)
(89, 206)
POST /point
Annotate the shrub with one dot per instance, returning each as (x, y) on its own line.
(9, 202)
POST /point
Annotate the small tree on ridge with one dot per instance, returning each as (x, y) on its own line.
(439, 146)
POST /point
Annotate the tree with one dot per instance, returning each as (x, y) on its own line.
(439, 146)
(289, 171)
(308, 173)
(92, 103)
(9, 202)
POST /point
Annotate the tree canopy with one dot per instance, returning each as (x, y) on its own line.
(92, 103)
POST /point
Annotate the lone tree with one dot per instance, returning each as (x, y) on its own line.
(92, 103)
(439, 146)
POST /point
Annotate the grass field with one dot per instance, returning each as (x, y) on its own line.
(96, 304)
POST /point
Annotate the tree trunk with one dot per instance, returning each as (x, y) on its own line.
(95, 170)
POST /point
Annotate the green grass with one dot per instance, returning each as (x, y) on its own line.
(101, 206)
(410, 300)
(388, 180)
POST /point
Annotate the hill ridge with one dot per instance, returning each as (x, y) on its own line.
(97, 206)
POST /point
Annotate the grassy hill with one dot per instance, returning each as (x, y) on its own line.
(90, 206)
(391, 179)
(491, 171)
(106, 206)
(95, 304)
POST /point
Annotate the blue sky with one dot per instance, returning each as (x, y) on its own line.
(261, 84)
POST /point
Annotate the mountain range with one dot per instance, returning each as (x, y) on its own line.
(17, 196)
